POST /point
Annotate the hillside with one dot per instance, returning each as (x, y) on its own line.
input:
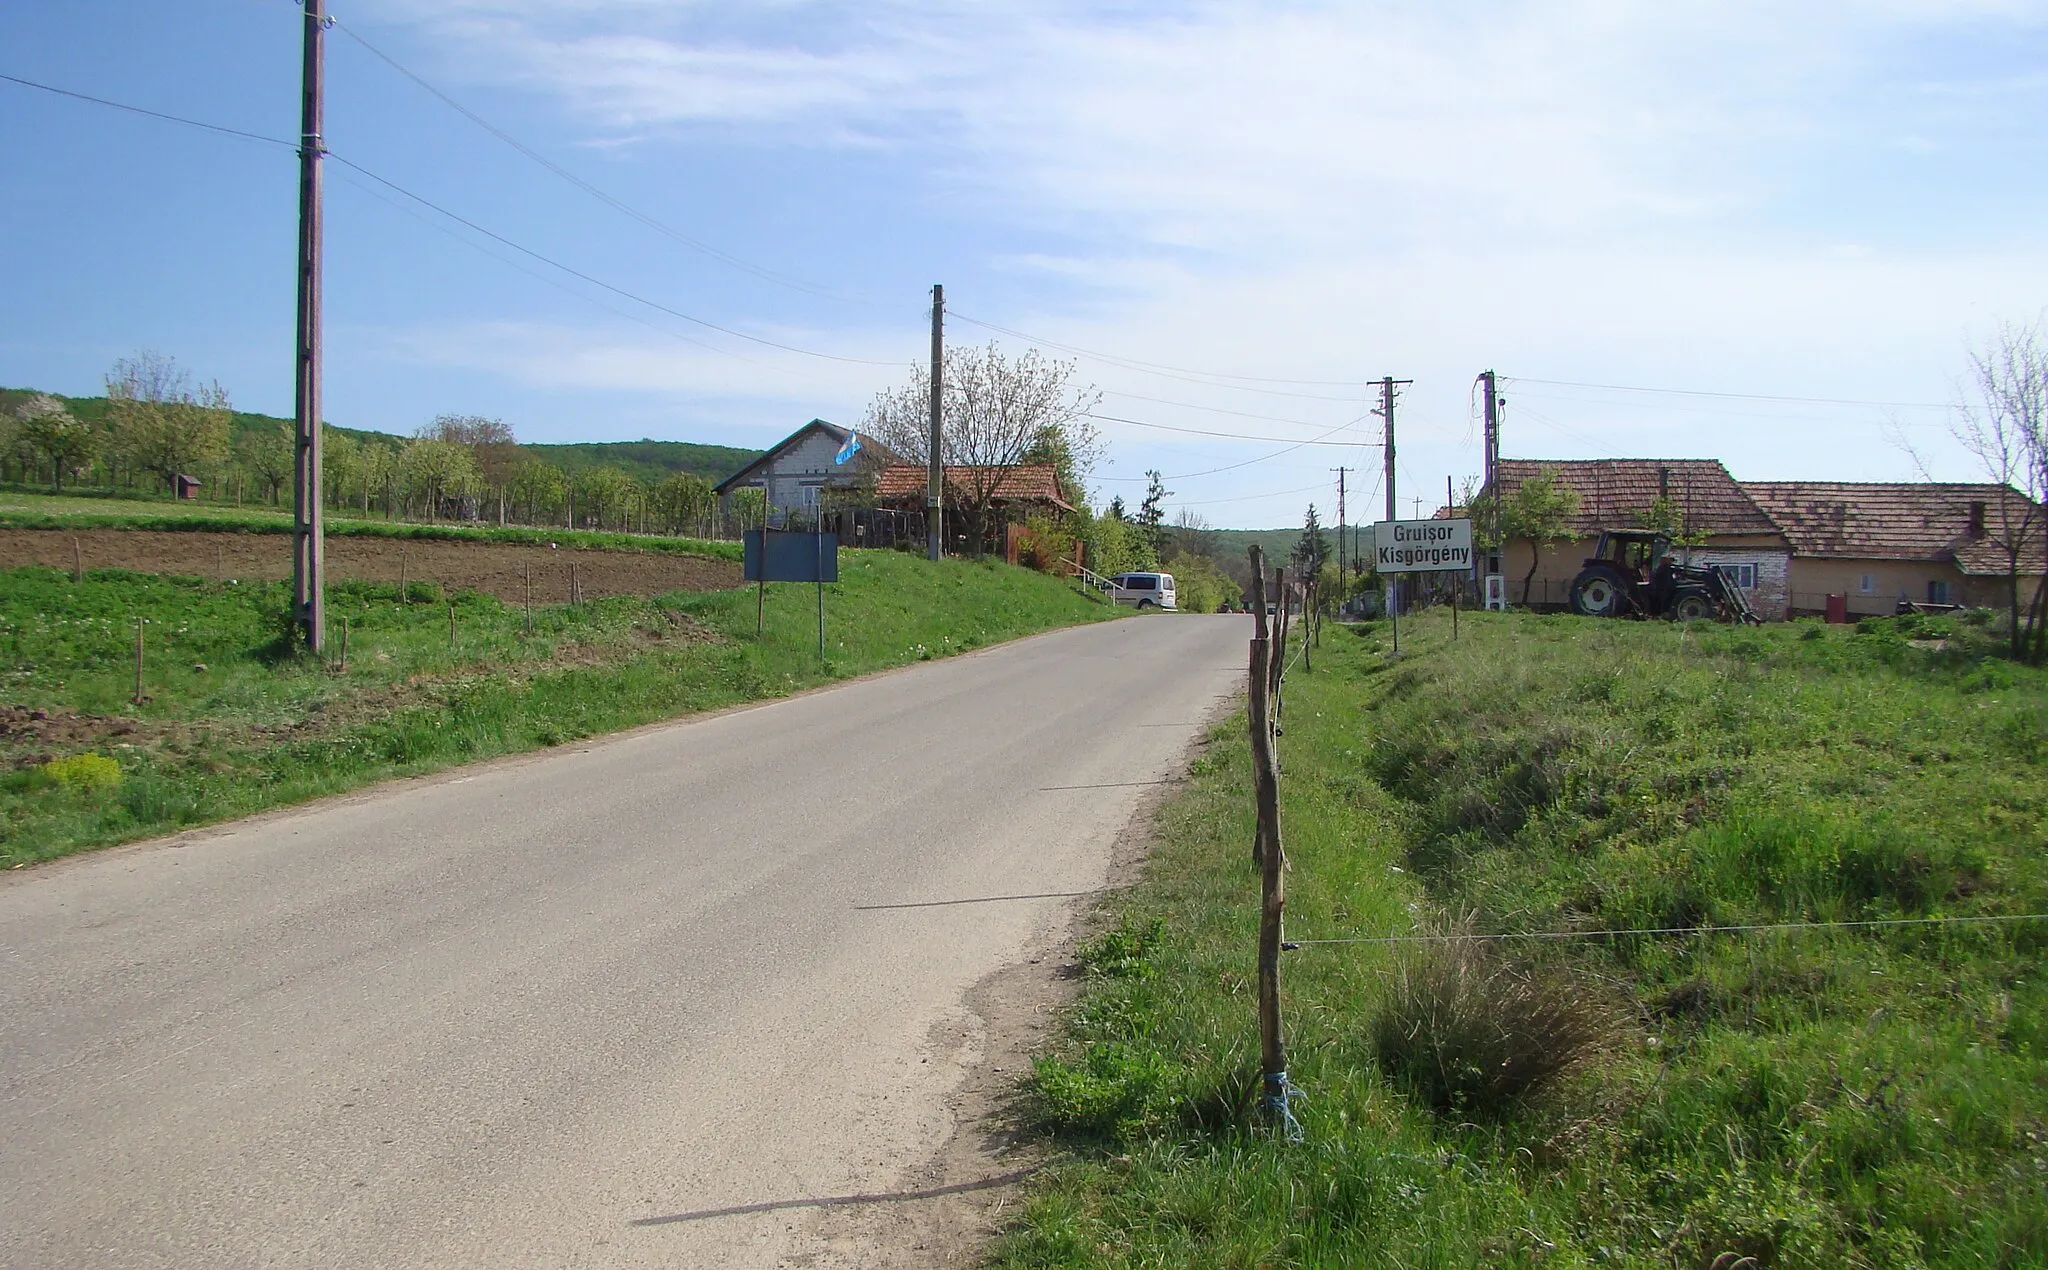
(645, 460)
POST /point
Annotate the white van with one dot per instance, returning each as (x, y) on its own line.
(1146, 590)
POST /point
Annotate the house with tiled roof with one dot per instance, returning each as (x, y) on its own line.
(991, 500)
(1708, 504)
(798, 473)
(1880, 543)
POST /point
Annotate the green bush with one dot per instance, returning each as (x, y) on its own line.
(85, 773)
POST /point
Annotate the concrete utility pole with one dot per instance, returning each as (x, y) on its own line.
(1341, 573)
(1492, 458)
(308, 565)
(935, 465)
(1386, 412)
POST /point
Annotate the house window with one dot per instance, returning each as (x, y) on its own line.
(808, 496)
(1867, 583)
(1937, 592)
(1743, 575)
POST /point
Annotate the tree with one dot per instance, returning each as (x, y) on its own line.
(1152, 512)
(607, 494)
(995, 413)
(750, 505)
(1539, 513)
(1314, 545)
(490, 444)
(2004, 425)
(44, 427)
(160, 423)
(683, 502)
(538, 488)
(434, 470)
(269, 455)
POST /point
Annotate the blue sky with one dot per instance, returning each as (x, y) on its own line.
(1280, 201)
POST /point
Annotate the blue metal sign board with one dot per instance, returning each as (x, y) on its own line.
(791, 556)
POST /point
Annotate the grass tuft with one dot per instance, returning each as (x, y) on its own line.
(1471, 1033)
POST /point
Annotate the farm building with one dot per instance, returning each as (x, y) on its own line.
(1879, 544)
(1010, 494)
(1621, 494)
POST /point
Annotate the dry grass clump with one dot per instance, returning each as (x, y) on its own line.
(1471, 1032)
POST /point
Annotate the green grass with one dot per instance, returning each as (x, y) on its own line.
(1846, 1097)
(68, 512)
(235, 721)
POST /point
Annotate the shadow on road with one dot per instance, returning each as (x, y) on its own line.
(838, 1201)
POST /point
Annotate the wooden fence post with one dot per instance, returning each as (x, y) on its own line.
(451, 626)
(404, 591)
(138, 661)
(344, 644)
(529, 601)
(77, 563)
(1272, 861)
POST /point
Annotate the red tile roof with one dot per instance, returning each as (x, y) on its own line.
(1614, 492)
(1022, 483)
(1906, 521)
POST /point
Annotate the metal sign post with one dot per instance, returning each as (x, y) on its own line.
(1420, 546)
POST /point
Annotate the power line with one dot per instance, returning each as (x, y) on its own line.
(1204, 432)
(1220, 410)
(1232, 467)
(1204, 378)
(609, 200)
(153, 114)
(1738, 396)
(1245, 498)
(599, 282)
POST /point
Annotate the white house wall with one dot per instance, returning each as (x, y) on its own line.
(1772, 595)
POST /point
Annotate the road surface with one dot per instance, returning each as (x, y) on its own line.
(643, 1003)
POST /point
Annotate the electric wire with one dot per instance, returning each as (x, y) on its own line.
(153, 114)
(1204, 432)
(1738, 396)
(1232, 467)
(608, 199)
(1169, 372)
(599, 282)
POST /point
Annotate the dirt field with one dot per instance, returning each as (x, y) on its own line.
(500, 569)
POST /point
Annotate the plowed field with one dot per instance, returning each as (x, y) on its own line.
(500, 569)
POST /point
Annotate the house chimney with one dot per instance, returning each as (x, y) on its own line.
(1976, 520)
(1663, 482)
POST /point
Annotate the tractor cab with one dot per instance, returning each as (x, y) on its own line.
(1636, 552)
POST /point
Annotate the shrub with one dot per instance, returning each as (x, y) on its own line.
(89, 773)
(1112, 1091)
(1468, 1032)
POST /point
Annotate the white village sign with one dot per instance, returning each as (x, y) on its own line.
(1421, 546)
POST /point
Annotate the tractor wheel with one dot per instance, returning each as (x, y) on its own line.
(1600, 592)
(1692, 606)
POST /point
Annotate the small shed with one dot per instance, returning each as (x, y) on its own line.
(187, 486)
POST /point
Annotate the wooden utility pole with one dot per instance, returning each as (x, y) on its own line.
(308, 563)
(935, 463)
(1386, 413)
(1267, 851)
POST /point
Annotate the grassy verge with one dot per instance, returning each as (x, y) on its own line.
(235, 721)
(1872, 1096)
(45, 511)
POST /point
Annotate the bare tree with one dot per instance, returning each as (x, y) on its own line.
(2003, 423)
(996, 413)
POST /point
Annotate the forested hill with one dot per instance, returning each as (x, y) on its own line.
(644, 460)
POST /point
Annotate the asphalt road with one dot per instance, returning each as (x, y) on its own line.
(563, 1010)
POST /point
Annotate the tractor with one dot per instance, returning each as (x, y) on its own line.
(1632, 573)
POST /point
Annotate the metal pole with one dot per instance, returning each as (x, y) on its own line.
(935, 463)
(308, 566)
(1492, 460)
